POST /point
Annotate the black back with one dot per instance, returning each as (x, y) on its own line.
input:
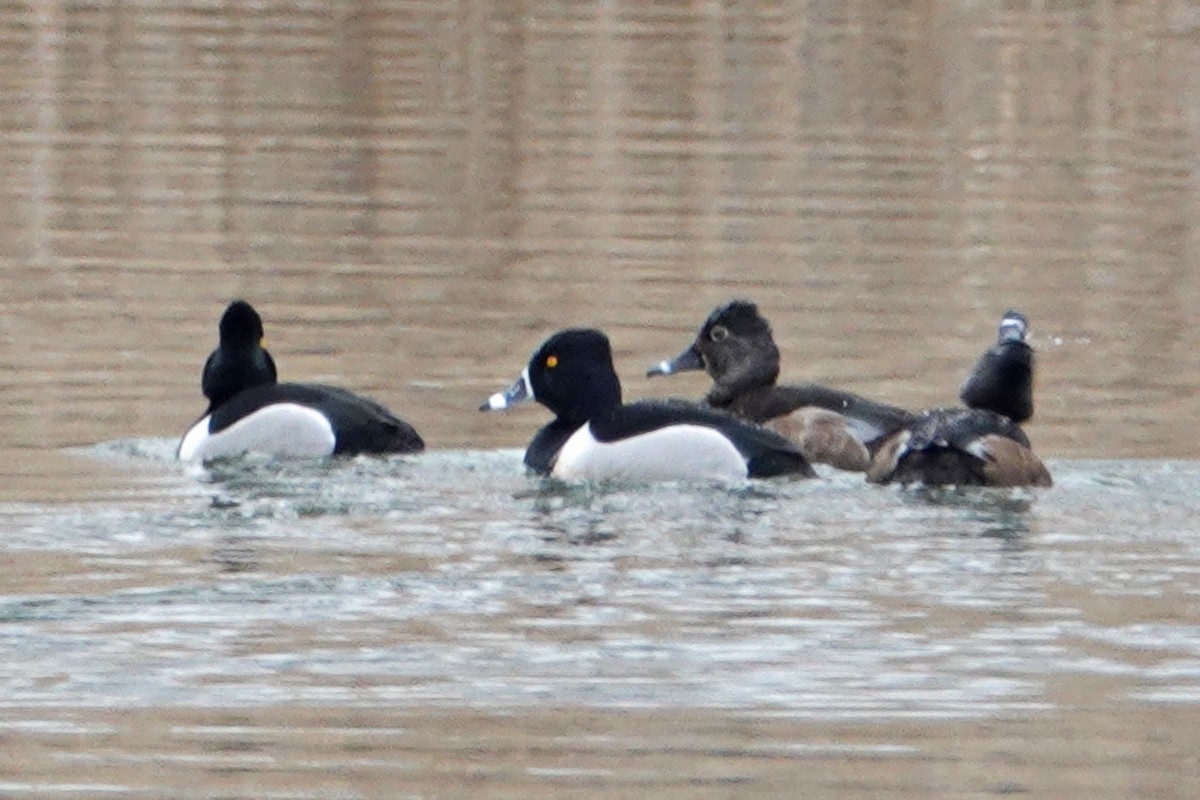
(360, 425)
(959, 427)
(1002, 378)
(239, 361)
(939, 451)
(572, 374)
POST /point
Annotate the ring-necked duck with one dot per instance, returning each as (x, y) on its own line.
(983, 444)
(250, 412)
(594, 436)
(737, 350)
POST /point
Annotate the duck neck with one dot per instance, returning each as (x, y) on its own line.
(1003, 382)
(742, 381)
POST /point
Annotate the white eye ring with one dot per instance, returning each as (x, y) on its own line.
(718, 333)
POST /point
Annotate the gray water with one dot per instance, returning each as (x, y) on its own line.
(452, 579)
(350, 620)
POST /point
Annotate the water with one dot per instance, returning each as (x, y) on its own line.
(452, 580)
(265, 618)
(415, 195)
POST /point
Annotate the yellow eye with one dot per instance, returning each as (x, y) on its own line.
(551, 362)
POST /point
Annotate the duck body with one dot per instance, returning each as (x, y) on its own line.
(298, 420)
(831, 426)
(736, 348)
(982, 444)
(595, 436)
(674, 440)
(249, 411)
(636, 441)
(959, 447)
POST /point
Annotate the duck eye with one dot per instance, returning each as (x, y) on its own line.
(718, 333)
(551, 362)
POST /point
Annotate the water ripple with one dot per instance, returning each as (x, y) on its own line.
(454, 578)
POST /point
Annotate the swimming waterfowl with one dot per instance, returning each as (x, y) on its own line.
(736, 348)
(983, 444)
(249, 411)
(594, 436)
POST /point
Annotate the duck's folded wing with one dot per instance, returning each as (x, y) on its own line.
(363, 425)
(869, 420)
(962, 428)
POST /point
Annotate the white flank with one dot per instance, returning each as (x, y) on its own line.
(286, 430)
(680, 452)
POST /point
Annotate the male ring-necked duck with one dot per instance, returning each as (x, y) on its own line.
(594, 436)
(737, 350)
(983, 444)
(250, 412)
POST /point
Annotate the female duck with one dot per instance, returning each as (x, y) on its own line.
(737, 350)
(983, 444)
(594, 436)
(249, 411)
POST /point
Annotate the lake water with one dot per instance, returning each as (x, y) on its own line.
(414, 195)
(444, 625)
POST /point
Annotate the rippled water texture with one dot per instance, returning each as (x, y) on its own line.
(453, 580)
(828, 617)
(415, 195)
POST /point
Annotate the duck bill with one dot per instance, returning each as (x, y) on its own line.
(1013, 327)
(686, 361)
(520, 392)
